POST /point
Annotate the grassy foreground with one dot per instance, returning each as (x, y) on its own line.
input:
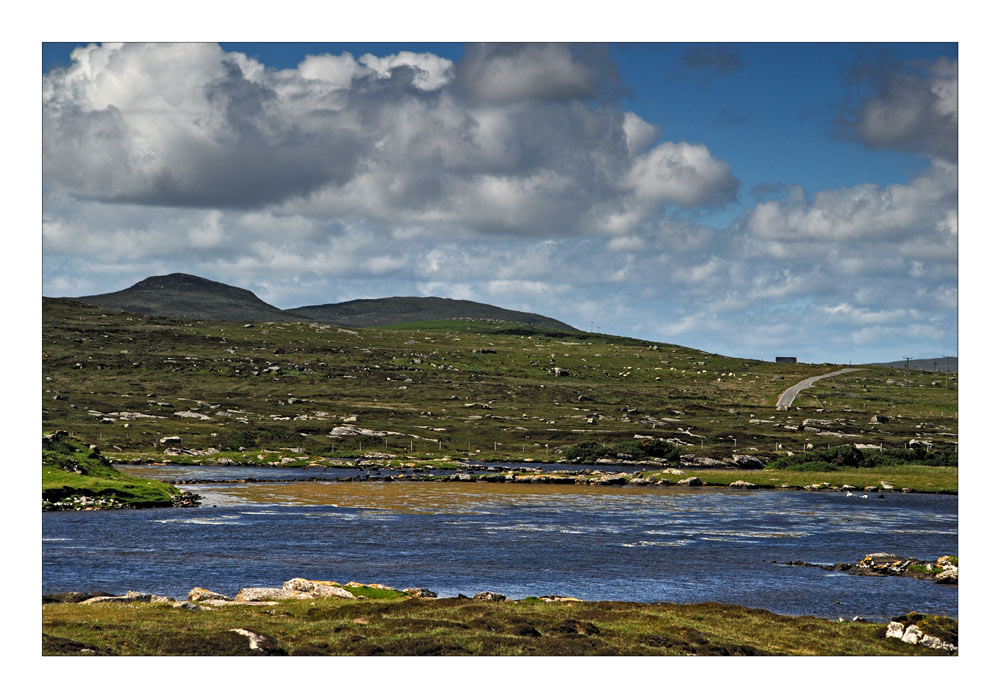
(455, 626)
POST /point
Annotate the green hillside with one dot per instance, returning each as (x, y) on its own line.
(462, 389)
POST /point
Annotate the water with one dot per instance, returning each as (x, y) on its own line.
(633, 544)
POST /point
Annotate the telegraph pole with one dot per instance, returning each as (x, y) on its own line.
(907, 391)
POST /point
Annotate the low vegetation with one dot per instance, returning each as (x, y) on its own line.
(458, 626)
(629, 450)
(840, 457)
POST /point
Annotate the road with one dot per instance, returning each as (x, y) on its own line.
(785, 401)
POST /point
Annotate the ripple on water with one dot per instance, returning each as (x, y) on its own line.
(213, 521)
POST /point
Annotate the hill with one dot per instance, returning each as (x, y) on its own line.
(188, 296)
(948, 364)
(378, 312)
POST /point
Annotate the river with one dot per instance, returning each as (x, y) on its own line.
(595, 543)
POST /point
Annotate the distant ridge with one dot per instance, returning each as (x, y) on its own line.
(398, 310)
(942, 363)
(189, 296)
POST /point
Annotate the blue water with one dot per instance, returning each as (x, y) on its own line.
(634, 544)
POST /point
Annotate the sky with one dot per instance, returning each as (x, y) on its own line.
(750, 199)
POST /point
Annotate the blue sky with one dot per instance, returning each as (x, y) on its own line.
(753, 199)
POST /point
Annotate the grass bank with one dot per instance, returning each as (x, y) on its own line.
(79, 477)
(456, 626)
(917, 478)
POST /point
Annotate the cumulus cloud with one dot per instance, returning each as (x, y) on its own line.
(917, 213)
(910, 108)
(503, 142)
(684, 174)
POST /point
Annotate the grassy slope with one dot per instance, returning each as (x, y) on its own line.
(70, 469)
(459, 627)
(430, 384)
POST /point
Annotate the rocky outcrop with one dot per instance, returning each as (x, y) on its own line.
(913, 635)
(316, 589)
(260, 643)
(250, 594)
(691, 482)
(704, 462)
(202, 594)
(748, 462)
(489, 596)
(129, 597)
(420, 593)
(944, 570)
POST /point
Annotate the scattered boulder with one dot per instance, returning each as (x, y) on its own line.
(489, 596)
(913, 635)
(673, 471)
(420, 593)
(73, 596)
(129, 597)
(202, 594)
(691, 482)
(878, 419)
(260, 643)
(743, 484)
(250, 594)
(748, 462)
(316, 589)
(370, 586)
(704, 462)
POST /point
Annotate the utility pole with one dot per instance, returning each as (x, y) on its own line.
(907, 389)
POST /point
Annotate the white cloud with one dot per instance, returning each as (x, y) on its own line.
(911, 108)
(639, 134)
(390, 139)
(433, 71)
(684, 174)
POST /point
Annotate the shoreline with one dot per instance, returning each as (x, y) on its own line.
(861, 482)
(309, 617)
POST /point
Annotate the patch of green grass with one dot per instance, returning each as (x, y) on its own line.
(375, 593)
(71, 470)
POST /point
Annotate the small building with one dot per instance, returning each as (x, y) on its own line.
(785, 359)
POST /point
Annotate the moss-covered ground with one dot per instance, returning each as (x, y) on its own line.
(457, 626)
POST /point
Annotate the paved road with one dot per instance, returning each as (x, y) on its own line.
(785, 401)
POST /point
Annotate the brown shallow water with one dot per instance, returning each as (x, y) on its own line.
(420, 497)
